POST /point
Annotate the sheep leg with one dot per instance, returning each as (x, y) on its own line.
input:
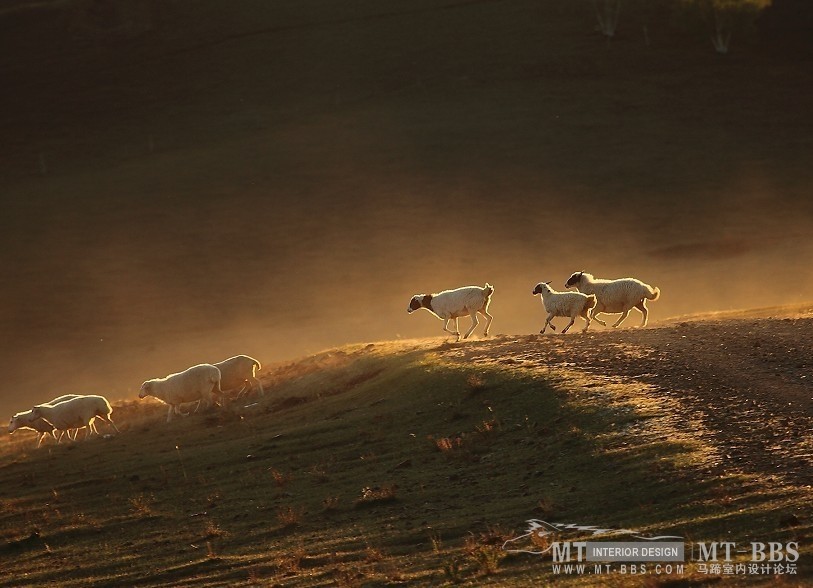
(474, 323)
(594, 316)
(456, 329)
(642, 307)
(109, 420)
(489, 318)
(570, 324)
(547, 322)
(171, 411)
(624, 315)
(446, 327)
(586, 317)
(40, 437)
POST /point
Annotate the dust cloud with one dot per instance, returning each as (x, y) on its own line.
(125, 291)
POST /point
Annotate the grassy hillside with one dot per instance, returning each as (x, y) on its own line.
(402, 463)
(187, 180)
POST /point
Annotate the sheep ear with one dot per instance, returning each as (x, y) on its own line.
(548, 282)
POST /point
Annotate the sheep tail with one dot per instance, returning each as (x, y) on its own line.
(590, 302)
(488, 290)
(654, 293)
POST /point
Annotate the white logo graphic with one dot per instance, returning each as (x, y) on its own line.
(541, 536)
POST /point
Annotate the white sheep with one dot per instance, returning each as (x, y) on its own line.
(76, 413)
(198, 383)
(26, 420)
(615, 296)
(570, 304)
(239, 371)
(452, 304)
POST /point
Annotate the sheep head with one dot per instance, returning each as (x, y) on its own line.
(146, 389)
(574, 279)
(420, 301)
(542, 287)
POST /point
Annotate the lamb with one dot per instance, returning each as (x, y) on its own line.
(452, 304)
(615, 296)
(570, 304)
(198, 383)
(76, 413)
(239, 372)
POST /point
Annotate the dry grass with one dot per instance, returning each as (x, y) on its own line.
(508, 458)
(372, 495)
(290, 516)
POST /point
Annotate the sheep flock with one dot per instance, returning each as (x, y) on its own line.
(213, 384)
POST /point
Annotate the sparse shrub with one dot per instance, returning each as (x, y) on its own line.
(485, 550)
(476, 383)
(436, 541)
(212, 530)
(291, 562)
(141, 504)
(210, 550)
(373, 554)
(377, 494)
(281, 480)
(290, 516)
(453, 570)
(446, 444)
(487, 428)
(213, 499)
(319, 475)
(346, 577)
(330, 503)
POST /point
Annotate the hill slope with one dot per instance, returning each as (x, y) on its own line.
(411, 462)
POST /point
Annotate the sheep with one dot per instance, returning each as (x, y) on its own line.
(452, 304)
(615, 296)
(570, 304)
(76, 413)
(198, 383)
(239, 371)
(26, 420)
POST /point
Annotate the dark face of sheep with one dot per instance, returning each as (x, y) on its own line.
(146, 390)
(415, 303)
(541, 287)
(574, 279)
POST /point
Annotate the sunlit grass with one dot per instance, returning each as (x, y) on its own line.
(399, 463)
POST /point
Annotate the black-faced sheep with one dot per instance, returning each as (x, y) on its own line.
(452, 304)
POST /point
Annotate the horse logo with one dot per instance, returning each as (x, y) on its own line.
(540, 536)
